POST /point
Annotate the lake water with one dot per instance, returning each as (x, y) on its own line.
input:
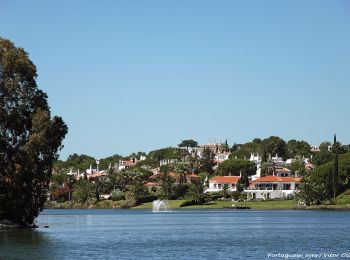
(180, 234)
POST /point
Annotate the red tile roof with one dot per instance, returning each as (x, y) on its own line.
(99, 174)
(193, 175)
(151, 184)
(225, 179)
(271, 178)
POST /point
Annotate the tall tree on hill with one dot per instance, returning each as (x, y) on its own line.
(29, 137)
(335, 168)
(188, 144)
(207, 161)
(275, 145)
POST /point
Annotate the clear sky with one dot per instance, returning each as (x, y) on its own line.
(130, 76)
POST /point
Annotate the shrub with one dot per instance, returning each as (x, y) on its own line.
(147, 198)
(181, 190)
(117, 195)
(236, 195)
(188, 203)
(342, 199)
(106, 204)
(215, 196)
(126, 204)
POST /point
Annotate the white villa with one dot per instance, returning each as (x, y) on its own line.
(273, 187)
(257, 160)
(221, 157)
(216, 184)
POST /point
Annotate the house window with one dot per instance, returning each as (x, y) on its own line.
(219, 186)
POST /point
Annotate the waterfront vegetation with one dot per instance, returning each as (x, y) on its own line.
(31, 139)
(181, 204)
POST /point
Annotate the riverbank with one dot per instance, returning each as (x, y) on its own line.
(7, 224)
(177, 204)
(325, 207)
(272, 204)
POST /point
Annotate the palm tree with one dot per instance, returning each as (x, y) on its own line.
(196, 193)
(225, 190)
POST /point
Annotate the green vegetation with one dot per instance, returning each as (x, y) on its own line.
(271, 204)
(29, 137)
(188, 144)
(343, 199)
(328, 180)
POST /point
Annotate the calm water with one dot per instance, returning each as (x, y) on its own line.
(141, 234)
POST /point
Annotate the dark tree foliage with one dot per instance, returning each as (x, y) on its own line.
(207, 161)
(188, 143)
(235, 167)
(275, 145)
(335, 168)
(29, 137)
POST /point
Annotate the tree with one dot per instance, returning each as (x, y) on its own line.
(29, 137)
(207, 161)
(275, 145)
(311, 190)
(335, 168)
(322, 157)
(84, 192)
(298, 148)
(102, 186)
(235, 167)
(166, 185)
(196, 193)
(188, 143)
(225, 190)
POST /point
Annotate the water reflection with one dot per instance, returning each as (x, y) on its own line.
(26, 242)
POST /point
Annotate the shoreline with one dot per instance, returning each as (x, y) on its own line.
(227, 205)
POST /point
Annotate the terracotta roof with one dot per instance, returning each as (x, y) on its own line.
(225, 179)
(271, 178)
(174, 175)
(128, 163)
(99, 174)
(151, 184)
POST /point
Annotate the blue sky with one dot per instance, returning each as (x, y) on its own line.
(138, 75)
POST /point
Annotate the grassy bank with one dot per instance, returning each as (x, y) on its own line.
(174, 204)
(273, 204)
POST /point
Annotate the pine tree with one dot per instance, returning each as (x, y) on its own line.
(335, 170)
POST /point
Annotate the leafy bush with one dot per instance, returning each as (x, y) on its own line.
(188, 203)
(147, 198)
(126, 204)
(106, 204)
(236, 195)
(180, 191)
(117, 195)
(342, 199)
(215, 195)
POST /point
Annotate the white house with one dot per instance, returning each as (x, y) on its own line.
(277, 160)
(125, 164)
(167, 161)
(257, 160)
(273, 187)
(221, 157)
(217, 183)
